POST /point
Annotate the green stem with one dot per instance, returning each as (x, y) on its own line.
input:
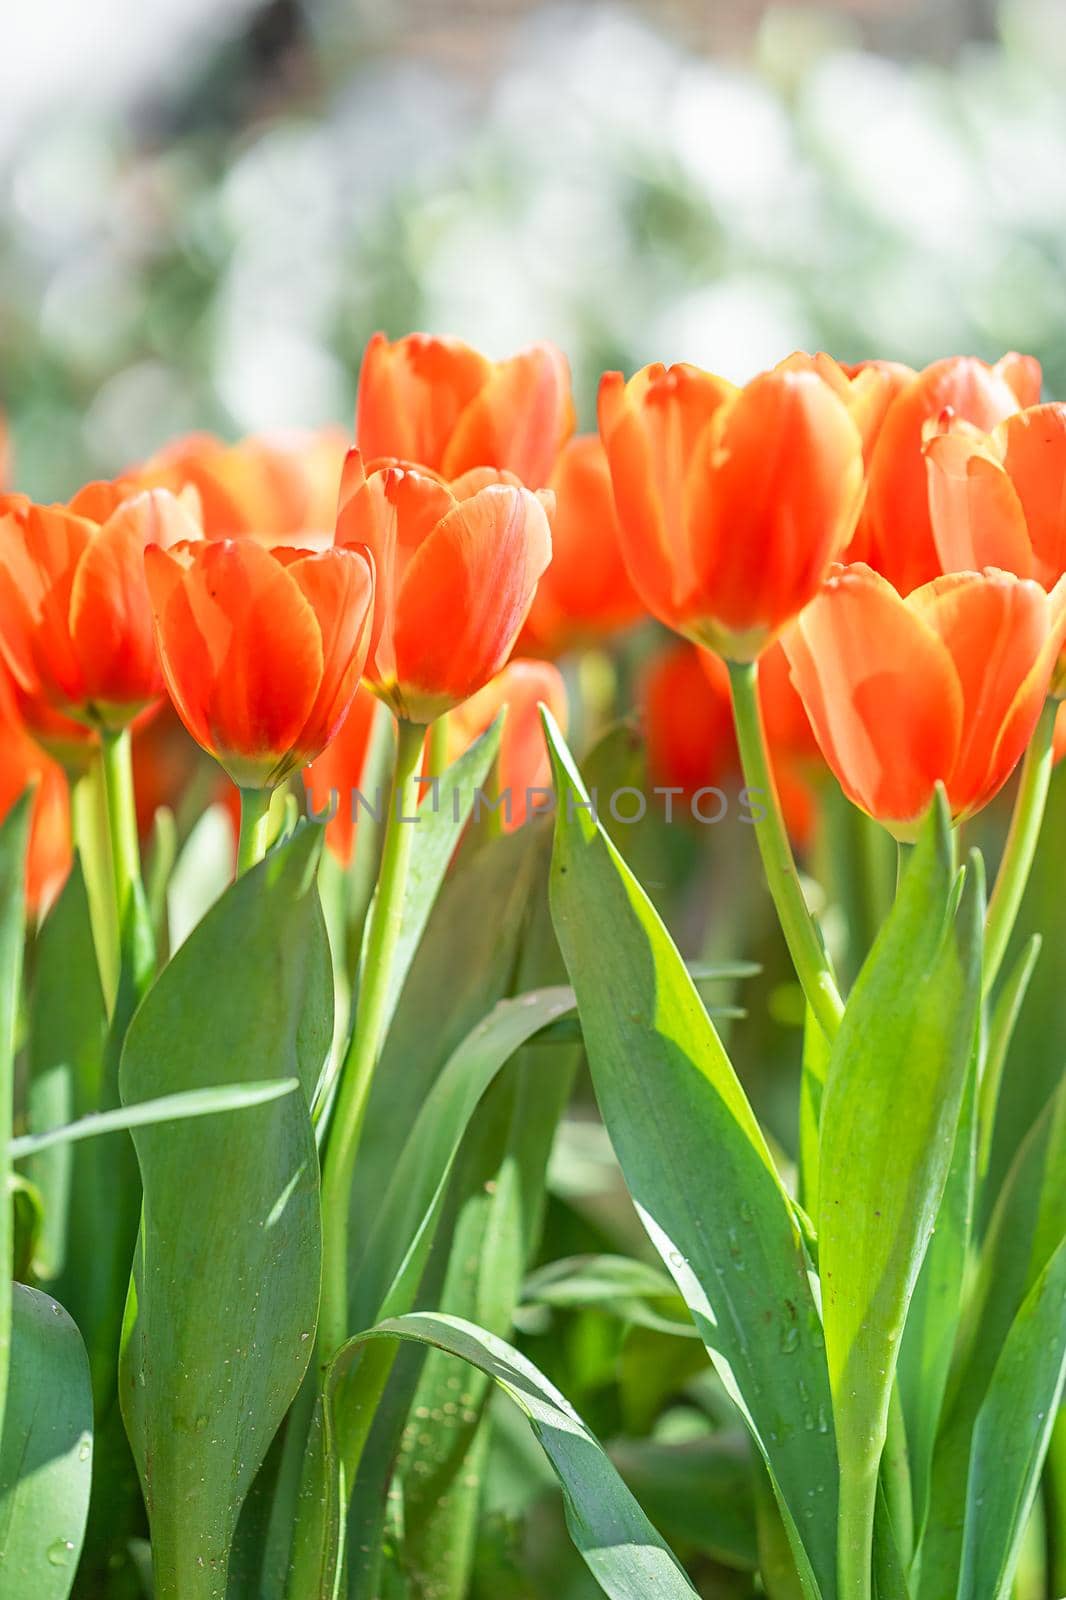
(858, 1499)
(802, 937)
(386, 919)
(255, 828)
(122, 824)
(1020, 848)
(896, 1477)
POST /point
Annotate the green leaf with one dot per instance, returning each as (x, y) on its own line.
(221, 1319)
(45, 1451)
(13, 835)
(1024, 1232)
(1005, 1016)
(1011, 1436)
(904, 1046)
(698, 1168)
(635, 1291)
(622, 1550)
(179, 1107)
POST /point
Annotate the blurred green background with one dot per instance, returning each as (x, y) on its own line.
(208, 205)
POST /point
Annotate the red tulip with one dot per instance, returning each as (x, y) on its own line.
(585, 593)
(732, 503)
(334, 776)
(457, 567)
(439, 404)
(75, 616)
(945, 685)
(22, 762)
(261, 649)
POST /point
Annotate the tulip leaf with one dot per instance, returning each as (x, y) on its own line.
(1011, 1436)
(905, 1044)
(1024, 1232)
(45, 1451)
(625, 1555)
(180, 1107)
(394, 1262)
(221, 1319)
(14, 832)
(634, 1291)
(698, 1168)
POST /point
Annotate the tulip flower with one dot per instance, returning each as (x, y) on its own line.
(867, 388)
(895, 533)
(687, 717)
(524, 765)
(944, 685)
(333, 777)
(585, 594)
(999, 499)
(277, 488)
(75, 616)
(261, 650)
(439, 404)
(732, 502)
(457, 566)
(23, 762)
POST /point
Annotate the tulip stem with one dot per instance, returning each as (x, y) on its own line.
(255, 828)
(135, 941)
(801, 934)
(371, 1021)
(1020, 848)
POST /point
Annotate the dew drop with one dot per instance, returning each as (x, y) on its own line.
(59, 1552)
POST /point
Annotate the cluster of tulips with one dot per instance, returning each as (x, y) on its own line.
(865, 567)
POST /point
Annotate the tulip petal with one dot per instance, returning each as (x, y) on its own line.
(995, 627)
(975, 513)
(411, 395)
(110, 610)
(1033, 446)
(339, 586)
(773, 492)
(39, 552)
(465, 595)
(519, 419)
(881, 692)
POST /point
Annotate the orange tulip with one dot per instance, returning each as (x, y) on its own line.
(732, 502)
(1059, 746)
(278, 488)
(261, 649)
(867, 388)
(439, 404)
(999, 499)
(895, 534)
(457, 567)
(524, 764)
(585, 593)
(22, 762)
(944, 685)
(333, 777)
(75, 617)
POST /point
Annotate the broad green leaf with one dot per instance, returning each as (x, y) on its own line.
(1024, 1232)
(67, 1025)
(179, 1107)
(889, 1119)
(45, 1451)
(1011, 1435)
(221, 1319)
(441, 818)
(393, 1265)
(622, 1550)
(814, 1072)
(698, 1492)
(13, 836)
(698, 1168)
(933, 1314)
